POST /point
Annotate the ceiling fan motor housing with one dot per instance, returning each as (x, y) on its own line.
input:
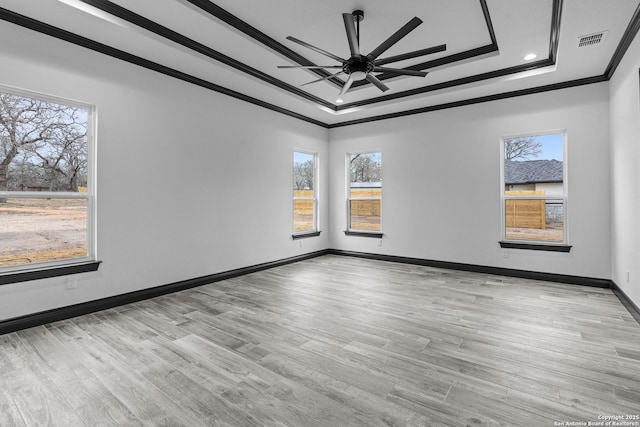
(358, 67)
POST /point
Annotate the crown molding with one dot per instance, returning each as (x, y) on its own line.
(47, 29)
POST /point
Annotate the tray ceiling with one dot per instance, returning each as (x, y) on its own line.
(236, 47)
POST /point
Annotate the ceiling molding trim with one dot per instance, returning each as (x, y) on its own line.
(628, 36)
(450, 59)
(487, 19)
(554, 40)
(50, 30)
(473, 101)
(166, 33)
(249, 30)
(240, 25)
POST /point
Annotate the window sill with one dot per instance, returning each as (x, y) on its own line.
(363, 234)
(305, 235)
(45, 273)
(535, 246)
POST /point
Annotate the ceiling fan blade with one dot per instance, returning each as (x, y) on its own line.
(324, 78)
(414, 54)
(309, 67)
(346, 86)
(374, 80)
(400, 71)
(395, 37)
(316, 49)
(350, 27)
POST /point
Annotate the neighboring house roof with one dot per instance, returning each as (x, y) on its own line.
(532, 171)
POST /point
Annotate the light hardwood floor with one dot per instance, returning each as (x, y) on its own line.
(333, 341)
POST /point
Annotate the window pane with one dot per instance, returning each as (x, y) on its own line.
(303, 169)
(534, 219)
(43, 145)
(364, 215)
(365, 182)
(304, 211)
(365, 168)
(41, 230)
(534, 165)
(303, 215)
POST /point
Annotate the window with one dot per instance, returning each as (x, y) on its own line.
(305, 202)
(364, 193)
(46, 185)
(534, 192)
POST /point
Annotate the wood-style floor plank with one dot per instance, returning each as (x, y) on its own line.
(9, 412)
(333, 341)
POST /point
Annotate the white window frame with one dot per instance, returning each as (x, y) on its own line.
(313, 198)
(348, 193)
(564, 198)
(89, 195)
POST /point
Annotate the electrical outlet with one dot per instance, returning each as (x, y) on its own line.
(300, 242)
(505, 254)
(628, 277)
(72, 283)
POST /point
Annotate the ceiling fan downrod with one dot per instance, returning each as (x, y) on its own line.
(358, 15)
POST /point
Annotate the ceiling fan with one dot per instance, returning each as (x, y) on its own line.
(360, 67)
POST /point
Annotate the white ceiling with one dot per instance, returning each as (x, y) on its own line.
(474, 65)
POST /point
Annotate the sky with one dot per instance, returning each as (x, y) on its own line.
(551, 147)
(299, 157)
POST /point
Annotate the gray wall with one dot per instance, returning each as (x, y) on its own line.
(190, 182)
(441, 181)
(625, 174)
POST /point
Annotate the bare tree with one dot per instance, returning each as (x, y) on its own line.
(41, 141)
(365, 167)
(64, 155)
(522, 148)
(303, 175)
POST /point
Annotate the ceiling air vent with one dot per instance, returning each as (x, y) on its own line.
(591, 39)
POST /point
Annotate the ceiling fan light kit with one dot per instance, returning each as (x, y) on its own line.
(361, 67)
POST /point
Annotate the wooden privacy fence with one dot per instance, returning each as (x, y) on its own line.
(303, 206)
(358, 207)
(303, 211)
(518, 213)
(525, 213)
(365, 207)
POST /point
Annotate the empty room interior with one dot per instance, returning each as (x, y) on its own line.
(336, 213)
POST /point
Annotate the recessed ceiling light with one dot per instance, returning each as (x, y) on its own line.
(339, 101)
(530, 56)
